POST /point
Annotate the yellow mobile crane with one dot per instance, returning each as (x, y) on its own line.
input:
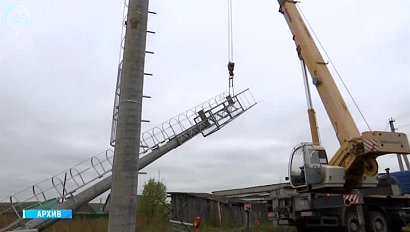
(358, 151)
(344, 192)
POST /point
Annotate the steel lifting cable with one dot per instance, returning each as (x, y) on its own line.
(231, 64)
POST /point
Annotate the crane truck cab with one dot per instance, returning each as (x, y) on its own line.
(309, 169)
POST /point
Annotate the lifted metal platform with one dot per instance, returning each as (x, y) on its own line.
(82, 183)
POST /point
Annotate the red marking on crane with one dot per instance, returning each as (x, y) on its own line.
(351, 198)
(371, 145)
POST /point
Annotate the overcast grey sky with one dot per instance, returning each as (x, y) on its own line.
(58, 73)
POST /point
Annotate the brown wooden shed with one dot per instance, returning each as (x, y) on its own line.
(218, 211)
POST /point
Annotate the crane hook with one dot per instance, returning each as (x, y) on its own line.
(231, 66)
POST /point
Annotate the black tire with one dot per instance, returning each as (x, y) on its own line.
(396, 228)
(300, 228)
(377, 222)
(352, 222)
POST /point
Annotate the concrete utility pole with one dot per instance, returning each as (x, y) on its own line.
(123, 206)
(99, 188)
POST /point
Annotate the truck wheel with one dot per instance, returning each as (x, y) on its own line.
(306, 229)
(300, 228)
(378, 222)
(352, 222)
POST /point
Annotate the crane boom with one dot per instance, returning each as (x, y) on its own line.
(358, 152)
(342, 121)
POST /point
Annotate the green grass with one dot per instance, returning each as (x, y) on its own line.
(143, 225)
(100, 225)
(93, 223)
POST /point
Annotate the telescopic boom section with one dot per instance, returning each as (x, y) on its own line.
(343, 123)
(357, 151)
